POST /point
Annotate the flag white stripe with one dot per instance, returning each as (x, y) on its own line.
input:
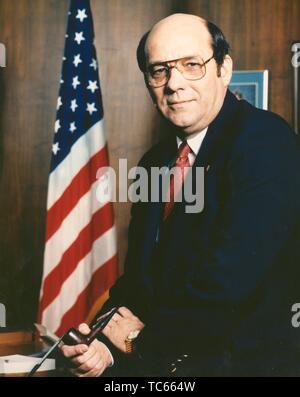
(77, 219)
(82, 151)
(103, 249)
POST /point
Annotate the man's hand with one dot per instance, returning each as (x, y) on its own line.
(90, 361)
(120, 325)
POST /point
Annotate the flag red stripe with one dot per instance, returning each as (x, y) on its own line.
(80, 184)
(104, 276)
(101, 221)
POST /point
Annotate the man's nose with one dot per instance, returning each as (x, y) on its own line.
(176, 80)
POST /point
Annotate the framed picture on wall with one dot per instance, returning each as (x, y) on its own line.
(251, 85)
(296, 67)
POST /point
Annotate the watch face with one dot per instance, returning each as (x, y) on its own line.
(133, 334)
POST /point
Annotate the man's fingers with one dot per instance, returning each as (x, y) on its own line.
(73, 351)
(116, 317)
(95, 372)
(83, 358)
(94, 364)
(125, 312)
(84, 329)
(90, 363)
(122, 313)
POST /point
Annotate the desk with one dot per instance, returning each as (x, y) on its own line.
(23, 342)
(20, 342)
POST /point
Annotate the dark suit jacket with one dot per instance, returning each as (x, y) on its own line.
(219, 285)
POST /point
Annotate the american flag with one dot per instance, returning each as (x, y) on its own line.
(80, 258)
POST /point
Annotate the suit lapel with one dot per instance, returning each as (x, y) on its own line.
(218, 132)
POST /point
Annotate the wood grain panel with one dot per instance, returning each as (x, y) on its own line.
(260, 33)
(33, 32)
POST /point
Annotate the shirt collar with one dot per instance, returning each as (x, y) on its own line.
(195, 141)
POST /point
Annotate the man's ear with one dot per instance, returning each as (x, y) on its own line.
(226, 70)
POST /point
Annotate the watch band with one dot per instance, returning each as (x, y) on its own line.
(130, 341)
(129, 346)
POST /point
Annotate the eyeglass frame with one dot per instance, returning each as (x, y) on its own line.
(165, 64)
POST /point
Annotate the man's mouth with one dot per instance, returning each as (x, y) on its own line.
(179, 102)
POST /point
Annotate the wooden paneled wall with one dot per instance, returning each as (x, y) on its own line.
(260, 33)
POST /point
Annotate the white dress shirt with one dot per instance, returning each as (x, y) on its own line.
(194, 143)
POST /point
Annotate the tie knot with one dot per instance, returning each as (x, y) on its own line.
(184, 150)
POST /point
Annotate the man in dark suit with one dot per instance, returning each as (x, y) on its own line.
(207, 293)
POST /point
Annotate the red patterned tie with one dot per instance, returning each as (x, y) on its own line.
(182, 161)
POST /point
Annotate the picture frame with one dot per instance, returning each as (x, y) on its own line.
(296, 77)
(251, 85)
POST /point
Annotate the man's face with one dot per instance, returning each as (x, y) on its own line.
(189, 105)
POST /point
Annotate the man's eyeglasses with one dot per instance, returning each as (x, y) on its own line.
(192, 68)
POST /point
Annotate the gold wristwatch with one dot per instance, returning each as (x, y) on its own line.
(129, 341)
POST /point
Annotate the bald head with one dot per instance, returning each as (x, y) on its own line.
(173, 34)
(180, 23)
(185, 27)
